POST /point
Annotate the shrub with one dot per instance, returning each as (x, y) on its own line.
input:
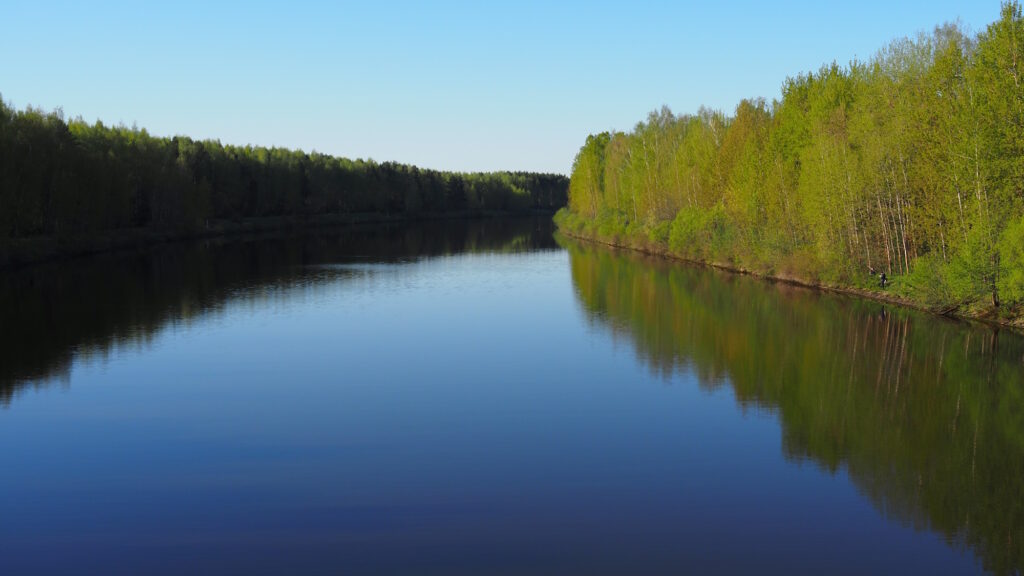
(1011, 262)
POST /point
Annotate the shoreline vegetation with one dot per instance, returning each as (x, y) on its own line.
(878, 295)
(910, 164)
(69, 188)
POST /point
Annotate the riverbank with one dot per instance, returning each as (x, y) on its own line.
(19, 252)
(1012, 318)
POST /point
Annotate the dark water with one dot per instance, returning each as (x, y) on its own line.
(472, 398)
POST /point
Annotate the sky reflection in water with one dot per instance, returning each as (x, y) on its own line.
(471, 398)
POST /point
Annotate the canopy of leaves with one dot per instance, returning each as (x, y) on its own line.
(69, 177)
(910, 164)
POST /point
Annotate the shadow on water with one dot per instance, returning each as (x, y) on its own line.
(925, 415)
(52, 314)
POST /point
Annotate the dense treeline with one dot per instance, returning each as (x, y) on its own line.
(911, 164)
(69, 177)
(923, 414)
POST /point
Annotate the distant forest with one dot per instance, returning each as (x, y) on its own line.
(911, 164)
(61, 177)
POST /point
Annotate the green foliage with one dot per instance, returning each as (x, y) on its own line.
(970, 274)
(933, 282)
(702, 234)
(685, 236)
(613, 223)
(1011, 249)
(659, 233)
(59, 177)
(589, 170)
(911, 163)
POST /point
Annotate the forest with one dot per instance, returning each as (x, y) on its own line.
(60, 178)
(909, 164)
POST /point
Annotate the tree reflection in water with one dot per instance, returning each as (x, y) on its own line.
(56, 313)
(926, 415)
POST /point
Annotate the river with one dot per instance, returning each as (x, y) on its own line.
(474, 397)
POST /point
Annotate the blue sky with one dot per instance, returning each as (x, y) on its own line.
(448, 85)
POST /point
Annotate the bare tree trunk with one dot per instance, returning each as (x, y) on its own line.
(885, 232)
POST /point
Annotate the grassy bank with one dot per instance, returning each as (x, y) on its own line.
(898, 291)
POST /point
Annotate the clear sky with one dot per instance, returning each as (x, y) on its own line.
(487, 85)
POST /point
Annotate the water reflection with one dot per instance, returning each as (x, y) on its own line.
(925, 415)
(54, 314)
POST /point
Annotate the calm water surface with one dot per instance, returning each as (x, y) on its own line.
(474, 398)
